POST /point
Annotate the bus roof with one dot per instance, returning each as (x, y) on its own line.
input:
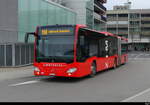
(106, 33)
(110, 34)
(57, 25)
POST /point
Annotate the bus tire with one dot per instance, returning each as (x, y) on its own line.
(93, 69)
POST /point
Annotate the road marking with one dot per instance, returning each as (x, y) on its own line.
(147, 54)
(24, 83)
(137, 95)
(138, 56)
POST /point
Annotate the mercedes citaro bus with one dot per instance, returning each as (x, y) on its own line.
(76, 51)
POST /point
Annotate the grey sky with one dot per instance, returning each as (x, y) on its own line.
(136, 4)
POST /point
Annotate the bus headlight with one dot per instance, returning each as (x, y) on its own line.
(72, 70)
(36, 69)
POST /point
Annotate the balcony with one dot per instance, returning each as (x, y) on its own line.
(123, 32)
(122, 25)
(145, 40)
(134, 32)
(113, 32)
(145, 33)
(122, 18)
(134, 26)
(102, 1)
(145, 18)
(99, 17)
(112, 26)
(145, 25)
(99, 5)
(112, 19)
(103, 19)
(135, 19)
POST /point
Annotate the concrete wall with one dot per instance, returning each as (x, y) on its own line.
(8, 20)
(79, 6)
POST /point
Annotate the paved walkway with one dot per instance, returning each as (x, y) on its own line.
(11, 69)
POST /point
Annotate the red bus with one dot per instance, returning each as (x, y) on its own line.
(76, 51)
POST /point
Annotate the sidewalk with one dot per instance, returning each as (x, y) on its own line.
(11, 69)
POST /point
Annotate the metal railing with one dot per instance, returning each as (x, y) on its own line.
(16, 54)
(100, 5)
(97, 16)
(104, 18)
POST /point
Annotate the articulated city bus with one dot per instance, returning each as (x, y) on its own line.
(76, 51)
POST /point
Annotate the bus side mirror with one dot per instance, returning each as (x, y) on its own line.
(27, 36)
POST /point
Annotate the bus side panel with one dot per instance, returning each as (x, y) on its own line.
(83, 69)
(101, 64)
(124, 58)
(111, 61)
(105, 63)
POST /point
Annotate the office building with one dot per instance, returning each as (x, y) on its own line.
(89, 12)
(133, 24)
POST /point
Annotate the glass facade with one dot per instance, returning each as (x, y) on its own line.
(89, 13)
(33, 13)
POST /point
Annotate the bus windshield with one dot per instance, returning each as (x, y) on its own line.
(55, 48)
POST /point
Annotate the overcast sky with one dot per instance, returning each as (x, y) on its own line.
(136, 4)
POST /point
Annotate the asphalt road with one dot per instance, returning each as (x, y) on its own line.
(127, 83)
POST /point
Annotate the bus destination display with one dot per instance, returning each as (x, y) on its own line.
(56, 31)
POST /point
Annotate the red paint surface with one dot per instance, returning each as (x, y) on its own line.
(83, 69)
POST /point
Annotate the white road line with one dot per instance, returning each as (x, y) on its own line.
(147, 54)
(138, 56)
(137, 95)
(24, 83)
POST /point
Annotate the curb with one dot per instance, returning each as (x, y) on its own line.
(16, 69)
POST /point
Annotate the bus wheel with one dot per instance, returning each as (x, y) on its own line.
(93, 70)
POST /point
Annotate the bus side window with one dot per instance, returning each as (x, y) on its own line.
(93, 47)
(124, 48)
(82, 41)
(85, 48)
(82, 48)
(112, 47)
(102, 46)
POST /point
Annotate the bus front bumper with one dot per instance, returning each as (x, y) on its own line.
(75, 70)
(40, 73)
(72, 70)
